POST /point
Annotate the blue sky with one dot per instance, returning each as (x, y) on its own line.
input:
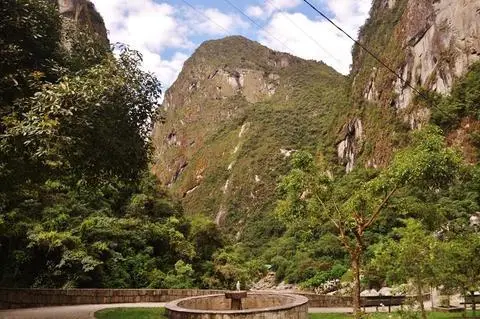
(168, 32)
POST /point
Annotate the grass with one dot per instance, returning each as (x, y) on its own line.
(159, 313)
(393, 315)
(131, 313)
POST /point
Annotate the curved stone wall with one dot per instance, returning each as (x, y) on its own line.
(255, 306)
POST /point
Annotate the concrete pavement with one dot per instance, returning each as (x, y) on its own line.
(68, 312)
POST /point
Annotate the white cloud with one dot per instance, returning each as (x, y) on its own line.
(350, 14)
(319, 40)
(215, 22)
(153, 27)
(255, 11)
(143, 24)
(274, 5)
(271, 6)
(167, 70)
(150, 28)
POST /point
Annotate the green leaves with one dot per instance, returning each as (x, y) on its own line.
(106, 109)
(457, 267)
(29, 43)
(408, 258)
(428, 162)
(462, 102)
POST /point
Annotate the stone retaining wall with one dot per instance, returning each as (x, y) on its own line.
(27, 298)
(327, 301)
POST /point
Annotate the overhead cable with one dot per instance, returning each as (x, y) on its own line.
(259, 26)
(205, 16)
(304, 32)
(405, 82)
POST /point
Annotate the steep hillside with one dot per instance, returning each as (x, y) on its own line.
(84, 11)
(429, 43)
(232, 119)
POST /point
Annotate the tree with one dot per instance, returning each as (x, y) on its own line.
(107, 109)
(354, 202)
(457, 262)
(410, 258)
(29, 48)
(76, 206)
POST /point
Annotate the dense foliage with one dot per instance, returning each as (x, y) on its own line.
(77, 208)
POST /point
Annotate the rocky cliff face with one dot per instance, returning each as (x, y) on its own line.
(233, 118)
(81, 12)
(442, 39)
(429, 43)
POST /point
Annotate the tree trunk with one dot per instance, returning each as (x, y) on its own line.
(474, 306)
(420, 300)
(432, 301)
(357, 311)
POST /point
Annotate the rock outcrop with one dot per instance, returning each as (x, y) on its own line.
(429, 43)
(442, 39)
(232, 120)
(350, 145)
(81, 12)
(205, 81)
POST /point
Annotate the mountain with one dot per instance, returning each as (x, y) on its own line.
(232, 119)
(430, 44)
(238, 109)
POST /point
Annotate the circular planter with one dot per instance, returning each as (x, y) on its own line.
(254, 306)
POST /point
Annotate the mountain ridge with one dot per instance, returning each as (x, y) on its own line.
(220, 108)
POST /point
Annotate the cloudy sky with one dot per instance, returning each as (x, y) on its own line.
(167, 32)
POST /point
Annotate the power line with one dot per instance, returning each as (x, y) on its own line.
(304, 32)
(259, 26)
(226, 31)
(205, 16)
(376, 58)
(357, 42)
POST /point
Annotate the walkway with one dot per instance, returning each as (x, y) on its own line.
(87, 311)
(67, 312)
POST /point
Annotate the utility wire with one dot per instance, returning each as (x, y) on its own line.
(304, 32)
(426, 98)
(259, 26)
(205, 16)
(357, 42)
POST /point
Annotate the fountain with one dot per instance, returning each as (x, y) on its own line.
(240, 304)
